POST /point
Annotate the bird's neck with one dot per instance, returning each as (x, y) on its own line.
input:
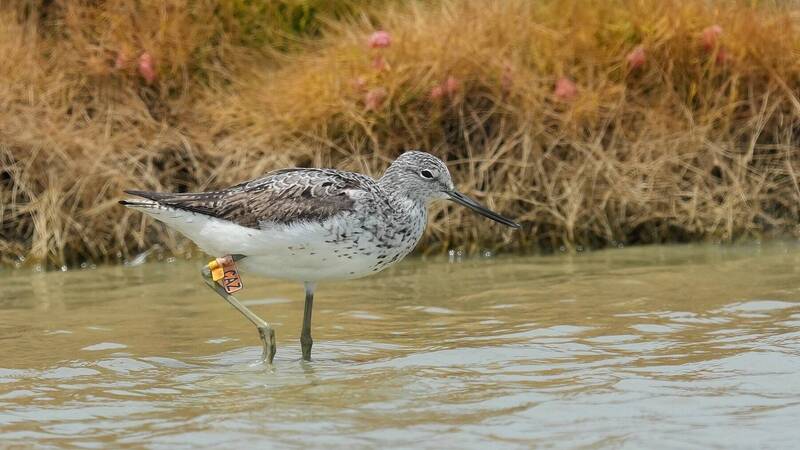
(402, 202)
(410, 216)
(410, 213)
(392, 179)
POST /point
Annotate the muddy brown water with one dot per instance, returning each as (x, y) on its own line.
(657, 347)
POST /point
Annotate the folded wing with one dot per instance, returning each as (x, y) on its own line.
(281, 197)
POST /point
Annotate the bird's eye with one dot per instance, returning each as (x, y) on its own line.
(426, 174)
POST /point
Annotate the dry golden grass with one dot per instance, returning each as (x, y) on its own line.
(697, 144)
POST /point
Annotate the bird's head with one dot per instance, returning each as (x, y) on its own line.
(425, 178)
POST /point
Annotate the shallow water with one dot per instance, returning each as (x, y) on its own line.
(690, 346)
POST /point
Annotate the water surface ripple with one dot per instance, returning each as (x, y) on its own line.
(658, 347)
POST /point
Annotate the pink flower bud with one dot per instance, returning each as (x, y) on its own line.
(380, 39)
(565, 89)
(437, 92)
(709, 37)
(636, 58)
(451, 86)
(147, 67)
(374, 99)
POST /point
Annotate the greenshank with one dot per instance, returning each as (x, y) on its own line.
(308, 225)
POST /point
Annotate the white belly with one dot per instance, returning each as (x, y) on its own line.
(306, 251)
(309, 267)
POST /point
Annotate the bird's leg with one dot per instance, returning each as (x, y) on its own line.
(305, 336)
(265, 331)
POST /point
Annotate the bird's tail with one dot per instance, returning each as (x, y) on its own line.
(139, 203)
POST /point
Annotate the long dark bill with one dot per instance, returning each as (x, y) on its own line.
(462, 199)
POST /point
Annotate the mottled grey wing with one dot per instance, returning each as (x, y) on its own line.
(284, 197)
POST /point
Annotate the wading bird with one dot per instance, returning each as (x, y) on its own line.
(308, 225)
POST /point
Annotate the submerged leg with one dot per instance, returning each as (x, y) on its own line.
(305, 336)
(265, 331)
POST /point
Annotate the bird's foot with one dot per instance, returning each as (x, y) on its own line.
(267, 335)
